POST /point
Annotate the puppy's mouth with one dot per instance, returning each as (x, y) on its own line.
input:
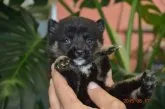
(79, 58)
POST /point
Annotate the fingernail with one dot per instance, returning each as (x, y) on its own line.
(92, 85)
(51, 81)
(52, 67)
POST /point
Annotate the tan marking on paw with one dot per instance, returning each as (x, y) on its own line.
(109, 81)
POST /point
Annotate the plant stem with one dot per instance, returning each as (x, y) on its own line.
(121, 55)
(154, 52)
(120, 17)
(130, 26)
(66, 6)
(140, 44)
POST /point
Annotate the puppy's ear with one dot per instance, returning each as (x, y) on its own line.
(52, 26)
(100, 24)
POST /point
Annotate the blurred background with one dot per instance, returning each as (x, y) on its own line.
(137, 25)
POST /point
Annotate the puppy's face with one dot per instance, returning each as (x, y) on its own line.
(76, 37)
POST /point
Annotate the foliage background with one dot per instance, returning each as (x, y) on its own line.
(23, 54)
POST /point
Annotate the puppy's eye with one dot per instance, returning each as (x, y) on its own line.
(67, 41)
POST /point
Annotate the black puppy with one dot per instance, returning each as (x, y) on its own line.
(76, 47)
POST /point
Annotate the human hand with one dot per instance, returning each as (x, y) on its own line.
(61, 96)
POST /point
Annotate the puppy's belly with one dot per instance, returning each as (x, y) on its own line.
(82, 94)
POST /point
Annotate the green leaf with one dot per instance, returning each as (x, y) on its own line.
(40, 2)
(36, 2)
(105, 2)
(40, 12)
(91, 3)
(88, 4)
(15, 2)
(160, 27)
(118, 1)
(40, 9)
(151, 7)
(23, 65)
(149, 11)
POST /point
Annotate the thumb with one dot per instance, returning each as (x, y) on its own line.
(100, 97)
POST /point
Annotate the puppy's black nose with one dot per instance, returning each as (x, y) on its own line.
(79, 53)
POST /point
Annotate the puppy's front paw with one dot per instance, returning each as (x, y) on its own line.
(148, 83)
(62, 63)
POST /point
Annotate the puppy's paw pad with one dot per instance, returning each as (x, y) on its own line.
(148, 81)
(62, 63)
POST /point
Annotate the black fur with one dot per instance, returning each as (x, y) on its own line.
(76, 43)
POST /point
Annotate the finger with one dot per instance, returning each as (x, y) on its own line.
(53, 100)
(66, 95)
(91, 108)
(102, 99)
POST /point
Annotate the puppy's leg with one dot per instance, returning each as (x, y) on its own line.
(104, 51)
(62, 64)
(125, 87)
(137, 88)
(147, 85)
